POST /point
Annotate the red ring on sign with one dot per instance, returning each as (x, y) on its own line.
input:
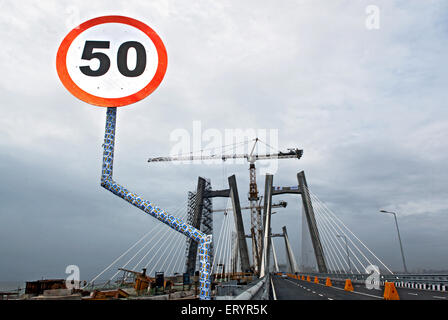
(70, 85)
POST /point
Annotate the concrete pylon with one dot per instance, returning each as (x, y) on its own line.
(289, 253)
(265, 259)
(242, 244)
(312, 225)
(195, 222)
(276, 268)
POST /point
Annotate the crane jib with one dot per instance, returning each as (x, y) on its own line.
(293, 153)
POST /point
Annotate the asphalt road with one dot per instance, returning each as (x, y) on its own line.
(293, 289)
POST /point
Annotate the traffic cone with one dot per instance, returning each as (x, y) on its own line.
(303, 278)
(316, 280)
(348, 285)
(328, 282)
(390, 292)
(308, 279)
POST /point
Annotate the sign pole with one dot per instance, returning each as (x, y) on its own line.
(177, 224)
(115, 84)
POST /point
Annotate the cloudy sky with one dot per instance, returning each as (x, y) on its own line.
(367, 106)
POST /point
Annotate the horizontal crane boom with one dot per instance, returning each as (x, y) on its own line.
(291, 153)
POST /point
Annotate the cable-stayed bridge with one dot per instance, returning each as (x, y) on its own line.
(338, 253)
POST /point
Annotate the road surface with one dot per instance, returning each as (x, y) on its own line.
(293, 289)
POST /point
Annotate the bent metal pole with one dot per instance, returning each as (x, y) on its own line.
(108, 183)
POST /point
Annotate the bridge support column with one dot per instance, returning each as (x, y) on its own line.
(195, 222)
(242, 244)
(289, 253)
(276, 268)
(312, 225)
(266, 249)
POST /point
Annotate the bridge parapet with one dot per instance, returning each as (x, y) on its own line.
(257, 290)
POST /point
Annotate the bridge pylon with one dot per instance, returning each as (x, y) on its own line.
(200, 214)
(302, 190)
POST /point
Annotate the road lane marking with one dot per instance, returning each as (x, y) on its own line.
(357, 292)
(437, 297)
(414, 294)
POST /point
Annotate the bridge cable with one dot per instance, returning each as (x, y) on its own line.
(117, 259)
(327, 245)
(168, 256)
(176, 256)
(140, 250)
(330, 238)
(326, 216)
(341, 244)
(217, 247)
(156, 253)
(333, 215)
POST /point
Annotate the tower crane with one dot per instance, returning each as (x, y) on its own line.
(255, 209)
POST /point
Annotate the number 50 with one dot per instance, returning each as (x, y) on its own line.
(122, 58)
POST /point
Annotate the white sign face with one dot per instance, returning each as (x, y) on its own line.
(111, 61)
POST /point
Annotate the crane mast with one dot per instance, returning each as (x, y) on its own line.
(253, 197)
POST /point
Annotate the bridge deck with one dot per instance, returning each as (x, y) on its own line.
(293, 289)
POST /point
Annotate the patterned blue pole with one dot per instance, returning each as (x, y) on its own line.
(108, 183)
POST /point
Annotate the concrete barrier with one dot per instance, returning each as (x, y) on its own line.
(252, 291)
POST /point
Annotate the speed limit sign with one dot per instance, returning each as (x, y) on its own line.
(111, 61)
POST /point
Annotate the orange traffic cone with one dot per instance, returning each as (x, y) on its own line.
(390, 292)
(328, 282)
(316, 280)
(348, 285)
(303, 278)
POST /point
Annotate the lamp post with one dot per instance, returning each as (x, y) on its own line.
(399, 239)
(346, 248)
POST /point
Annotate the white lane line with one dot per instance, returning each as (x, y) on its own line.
(357, 292)
(298, 285)
(437, 297)
(319, 293)
(330, 299)
(414, 294)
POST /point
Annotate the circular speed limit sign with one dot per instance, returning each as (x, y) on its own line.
(111, 61)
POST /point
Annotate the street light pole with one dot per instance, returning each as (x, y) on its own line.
(399, 239)
(346, 249)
